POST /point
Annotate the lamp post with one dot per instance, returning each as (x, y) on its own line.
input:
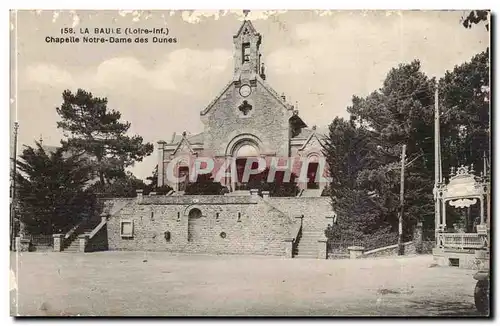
(13, 188)
(401, 202)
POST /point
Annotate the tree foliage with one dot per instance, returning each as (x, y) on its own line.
(124, 186)
(153, 184)
(205, 185)
(51, 190)
(278, 187)
(475, 17)
(465, 113)
(94, 131)
(364, 153)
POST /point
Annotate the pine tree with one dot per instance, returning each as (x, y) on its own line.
(51, 190)
(94, 131)
(465, 113)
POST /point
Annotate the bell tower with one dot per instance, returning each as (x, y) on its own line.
(246, 54)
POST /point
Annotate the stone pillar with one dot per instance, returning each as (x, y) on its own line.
(322, 248)
(58, 242)
(17, 244)
(265, 194)
(254, 193)
(443, 215)
(161, 152)
(289, 248)
(418, 237)
(140, 195)
(22, 244)
(483, 217)
(355, 251)
(84, 240)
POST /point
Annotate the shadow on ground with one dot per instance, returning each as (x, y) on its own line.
(446, 308)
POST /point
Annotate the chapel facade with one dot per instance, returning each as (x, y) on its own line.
(248, 118)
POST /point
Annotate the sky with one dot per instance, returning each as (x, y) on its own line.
(318, 59)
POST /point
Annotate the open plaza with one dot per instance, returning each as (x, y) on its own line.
(166, 284)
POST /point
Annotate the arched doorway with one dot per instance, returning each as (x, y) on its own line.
(194, 224)
(312, 172)
(183, 175)
(245, 153)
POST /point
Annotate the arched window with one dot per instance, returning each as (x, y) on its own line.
(194, 213)
(247, 151)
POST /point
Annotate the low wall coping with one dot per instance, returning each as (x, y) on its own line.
(386, 247)
(356, 248)
(323, 239)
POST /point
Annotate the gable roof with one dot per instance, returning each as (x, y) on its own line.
(248, 24)
(262, 82)
(311, 136)
(184, 140)
(196, 139)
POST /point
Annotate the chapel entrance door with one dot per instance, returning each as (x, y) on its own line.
(194, 225)
(183, 173)
(312, 170)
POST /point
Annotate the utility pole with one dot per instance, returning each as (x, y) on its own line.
(438, 174)
(13, 189)
(401, 202)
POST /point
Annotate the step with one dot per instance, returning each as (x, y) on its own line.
(305, 257)
(307, 253)
(307, 250)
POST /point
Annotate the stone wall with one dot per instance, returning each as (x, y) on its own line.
(250, 224)
(99, 242)
(316, 210)
(409, 249)
(427, 247)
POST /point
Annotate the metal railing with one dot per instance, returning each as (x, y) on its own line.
(45, 240)
(460, 240)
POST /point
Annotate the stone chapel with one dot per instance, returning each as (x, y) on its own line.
(248, 118)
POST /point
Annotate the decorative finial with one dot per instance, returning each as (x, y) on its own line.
(471, 168)
(452, 172)
(184, 133)
(246, 12)
(41, 140)
(314, 127)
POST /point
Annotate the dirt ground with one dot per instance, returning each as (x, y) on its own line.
(165, 284)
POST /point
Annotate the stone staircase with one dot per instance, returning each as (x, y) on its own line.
(72, 244)
(307, 246)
